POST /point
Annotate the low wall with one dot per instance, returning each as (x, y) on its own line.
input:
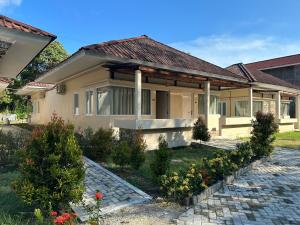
(286, 127)
(235, 131)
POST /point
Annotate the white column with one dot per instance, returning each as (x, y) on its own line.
(251, 102)
(278, 105)
(207, 101)
(297, 107)
(138, 94)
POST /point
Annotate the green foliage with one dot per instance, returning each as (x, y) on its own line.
(84, 137)
(200, 131)
(51, 167)
(101, 145)
(137, 156)
(263, 134)
(39, 216)
(187, 183)
(9, 145)
(7, 219)
(121, 154)
(245, 152)
(162, 157)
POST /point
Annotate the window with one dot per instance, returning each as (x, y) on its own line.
(123, 101)
(284, 110)
(214, 103)
(76, 104)
(89, 102)
(241, 108)
(222, 108)
(257, 107)
(36, 107)
(201, 104)
(103, 104)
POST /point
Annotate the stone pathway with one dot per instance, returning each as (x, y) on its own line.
(267, 195)
(227, 144)
(117, 192)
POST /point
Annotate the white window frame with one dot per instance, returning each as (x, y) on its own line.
(74, 110)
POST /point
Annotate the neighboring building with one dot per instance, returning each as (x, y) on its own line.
(19, 44)
(285, 68)
(139, 83)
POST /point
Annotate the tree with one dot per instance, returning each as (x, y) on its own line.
(200, 131)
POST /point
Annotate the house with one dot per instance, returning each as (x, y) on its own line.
(286, 68)
(140, 83)
(19, 44)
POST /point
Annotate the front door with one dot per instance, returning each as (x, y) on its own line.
(162, 104)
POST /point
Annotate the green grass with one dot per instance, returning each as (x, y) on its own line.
(181, 159)
(288, 140)
(12, 211)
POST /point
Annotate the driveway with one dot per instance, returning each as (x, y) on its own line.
(267, 195)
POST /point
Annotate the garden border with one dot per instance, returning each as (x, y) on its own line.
(206, 193)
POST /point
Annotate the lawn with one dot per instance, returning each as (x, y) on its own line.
(181, 158)
(12, 211)
(288, 140)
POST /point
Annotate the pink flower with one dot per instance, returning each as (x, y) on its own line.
(53, 213)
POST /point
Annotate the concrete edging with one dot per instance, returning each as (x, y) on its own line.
(227, 180)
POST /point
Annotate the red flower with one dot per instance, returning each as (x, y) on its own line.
(66, 216)
(98, 195)
(74, 215)
(59, 220)
(53, 213)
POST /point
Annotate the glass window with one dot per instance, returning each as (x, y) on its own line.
(284, 110)
(103, 104)
(201, 104)
(257, 107)
(222, 108)
(214, 103)
(146, 102)
(89, 102)
(76, 104)
(241, 108)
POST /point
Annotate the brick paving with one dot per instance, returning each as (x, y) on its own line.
(226, 144)
(117, 192)
(267, 195)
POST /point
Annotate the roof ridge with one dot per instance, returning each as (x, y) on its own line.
(247, 72)
(108, 43)
(281, 57)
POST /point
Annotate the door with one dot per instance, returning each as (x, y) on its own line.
(162, 104)
(187, 106)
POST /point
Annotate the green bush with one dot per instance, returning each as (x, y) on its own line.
(162, 158)
(263, 134)
(101, 145)
(52, 169)
(245, 152)
(121, 154)
(83, 138)
(200, 131)
(137, 156)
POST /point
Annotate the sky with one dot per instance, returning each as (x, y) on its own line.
(219, 31)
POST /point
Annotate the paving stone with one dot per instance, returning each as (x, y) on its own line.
(267, 195)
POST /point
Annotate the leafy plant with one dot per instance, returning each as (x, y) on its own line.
(200, 131)
(162, 158)
(263, 134)
(121, 154)
(94, 210)
(51, 167)
(245, 151)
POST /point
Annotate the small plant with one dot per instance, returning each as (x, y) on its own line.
(83, 138)
(51, 167)
(121, 154)
(245, 151)
(65, 218)
(137, 156)
(200, 131)
(101, 145)
(39, 216)
(94, 211)
(162, 158)
(263, 134)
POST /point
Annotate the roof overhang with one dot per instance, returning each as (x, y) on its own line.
(20, 49)
(274, 88)
(31, 89)
(83, 60)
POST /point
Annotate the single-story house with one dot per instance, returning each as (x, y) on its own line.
(140, 83)
(19, 44)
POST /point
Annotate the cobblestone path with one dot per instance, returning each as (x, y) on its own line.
(267, 195)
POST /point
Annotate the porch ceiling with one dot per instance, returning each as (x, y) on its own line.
(148, 72)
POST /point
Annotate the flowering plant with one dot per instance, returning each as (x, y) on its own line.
(95, 213)
(64, 219)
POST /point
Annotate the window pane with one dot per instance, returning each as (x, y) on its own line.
(241, 108)
(201, 104)
(284, 111)
(76, 104)
(213, 106)
(89, 102)
(146, 102)
(222, 108)
(103, 104)
(257, 107)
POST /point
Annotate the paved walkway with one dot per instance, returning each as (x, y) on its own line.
(221, 143)
(117, 192)
(267, 195)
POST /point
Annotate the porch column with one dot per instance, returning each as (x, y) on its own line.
(297, 107)
(207, 101)
(138, 94)
(278, 104)
(251, 102)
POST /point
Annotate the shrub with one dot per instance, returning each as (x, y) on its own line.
(84, 138)
(101, 145)
(137, 156)
(245, 151)
(52, 169)
(162, 158)
(121, 154)
(217, 168)
(263, 134)
(200, 131)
